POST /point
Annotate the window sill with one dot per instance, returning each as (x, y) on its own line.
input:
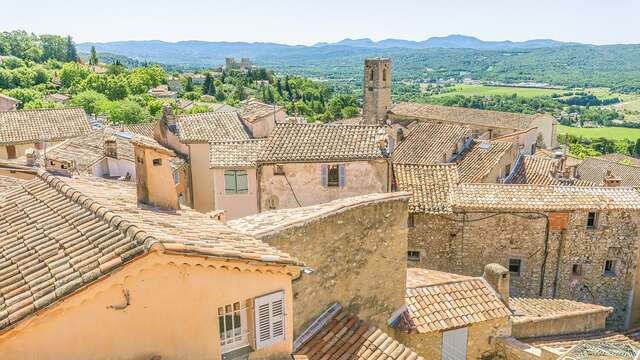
(609, 275)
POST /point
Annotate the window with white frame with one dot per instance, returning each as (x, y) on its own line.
(232, 322)
(236, 182)
(269, 319)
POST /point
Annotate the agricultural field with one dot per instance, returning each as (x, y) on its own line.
(481, 90)
(616, 133)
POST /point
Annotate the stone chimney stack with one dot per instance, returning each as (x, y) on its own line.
(611, 180)
(154, 177)
(168, 119)
(498, 277)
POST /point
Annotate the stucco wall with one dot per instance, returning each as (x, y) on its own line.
(120, 167)
(172, 313)
(20, 149)
(235, 205)
(362, 177)
(357, 258)
(480, 339)
(546, 125)
(201, 178)
(465, 243)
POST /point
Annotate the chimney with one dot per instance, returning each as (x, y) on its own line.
(154, 177)
(611, 180)
(31, 156)
(498, 277)
(168, 118)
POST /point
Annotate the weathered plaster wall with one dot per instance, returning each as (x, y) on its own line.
(304, 179)
(235, 205)
(172, 313)
(21, 149)
(357, 257)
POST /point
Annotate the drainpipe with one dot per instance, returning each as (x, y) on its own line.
(259, 187)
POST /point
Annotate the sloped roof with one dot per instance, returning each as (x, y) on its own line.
(7, 182)
(253, 110)
(564, 343)
(428, 143)
(210, 126)
(94, 226)
(617, 157)
(269, 222)
(468, 116)
(481, 158)
(29, 126)
(539, 170)
(235, 154)
(528, 310)
(338, 334)
(144, 129)
(2, 96)
(543, 198)
(319, 142)
(595, 170)
(431, 186)
(444, 303)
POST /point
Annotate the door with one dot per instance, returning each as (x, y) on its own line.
(454, 344)
(11, 152)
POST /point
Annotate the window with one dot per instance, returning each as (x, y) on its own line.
(269, 319)
(507, 170)
(232, 323)
(410, 221)
(515, 266)
(235, 182)
(11, 151)
(533, 149)
(592, 220)
(371, 75)
(384, 75)
(140, 160)
(333, 175)
(413, 255)
(610, 268)
(278, 170)
(576, 270)
(157, 162)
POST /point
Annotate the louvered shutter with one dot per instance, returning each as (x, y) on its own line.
(324, 175)
(342, 176)
(230, 181)
(242, 183)
(269, 319)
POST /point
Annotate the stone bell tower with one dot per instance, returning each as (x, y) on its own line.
(377, 90)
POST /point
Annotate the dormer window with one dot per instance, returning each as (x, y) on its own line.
(111, 149)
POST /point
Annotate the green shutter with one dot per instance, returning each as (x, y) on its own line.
(242, 182)
(230, 181)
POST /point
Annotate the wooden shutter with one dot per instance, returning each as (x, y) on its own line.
(324, 175)
(242, 182)
(269, 319)
(342, 176)
(230, 181)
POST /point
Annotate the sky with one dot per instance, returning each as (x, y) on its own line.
(308, 22)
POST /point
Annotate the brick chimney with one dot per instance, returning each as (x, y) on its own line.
(498, 277)
(611, 180)
(154, 177)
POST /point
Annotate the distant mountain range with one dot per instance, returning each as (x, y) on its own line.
(451, 42)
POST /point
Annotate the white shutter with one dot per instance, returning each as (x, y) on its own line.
(342, 177)
(269, 319)
(454, 344)
(324, 175)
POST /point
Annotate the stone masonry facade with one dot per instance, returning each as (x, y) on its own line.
(568, 263)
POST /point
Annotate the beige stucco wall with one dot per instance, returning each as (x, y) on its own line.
(20, 149)
(546, 125)
(357, 258)
(155, 185)
(362, 177)
(172, 313)
(235, 205)
(480, 339)
(263, 127)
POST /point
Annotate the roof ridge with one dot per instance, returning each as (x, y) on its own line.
(45, 109)
(452, 281)
(573, 187)
(206, 113)
(611, 161)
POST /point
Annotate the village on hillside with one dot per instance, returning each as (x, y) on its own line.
(409, 231)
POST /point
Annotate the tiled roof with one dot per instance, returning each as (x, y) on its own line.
(318, 142)
(277, 220)
(235, 154)
(28, 126)
(211, 126)
(7, 182)
(438, 304)
(253, 110)
(467, 116)
(431, 186)
(481, 158)
(543, 198)
(570, 159)
(144, 129)
(428, 143)
(340, 335)
(540, 170)
(595, 170)
(564, 343)
(537, 309)
(61, 234)
(621, 158)
(2, 96)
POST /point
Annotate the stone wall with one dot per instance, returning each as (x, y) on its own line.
(465, 242)
(560, 325)
(357, 257)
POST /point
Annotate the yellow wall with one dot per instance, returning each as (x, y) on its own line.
(172, 312)
(201, 178)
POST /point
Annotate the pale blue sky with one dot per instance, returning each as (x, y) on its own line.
(308, 22)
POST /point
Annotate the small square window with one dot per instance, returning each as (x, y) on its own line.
(278, 170)
(507, 170)
(515, 266)
(157, 162)
(592, 220)
(413, 255)
(576, 270)
(610, 267)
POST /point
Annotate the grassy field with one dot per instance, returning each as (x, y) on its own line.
(608, 132)
(481, 90)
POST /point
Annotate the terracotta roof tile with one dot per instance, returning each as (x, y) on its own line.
(253, 110)
(541, 170)
(144, 129)
(481, 158)
(60, 234)
(235, 154)
(497, 119)
(7, 182)
(210, 126)
(431, 186)
(28, 126)
(621, 158)
(319, 142)
(564, 343)
(338, 334)
(538, 309)
(435, 295)
(595, 170)
(431, 143)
